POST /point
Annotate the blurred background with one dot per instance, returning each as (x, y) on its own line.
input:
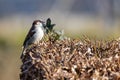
(99, 18)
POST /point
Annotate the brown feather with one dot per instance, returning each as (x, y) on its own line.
(29, 35)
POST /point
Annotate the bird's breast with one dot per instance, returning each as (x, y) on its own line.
(39, 34)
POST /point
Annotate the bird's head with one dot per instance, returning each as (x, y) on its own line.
(38, 23)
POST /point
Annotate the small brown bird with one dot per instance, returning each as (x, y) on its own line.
(34, 35)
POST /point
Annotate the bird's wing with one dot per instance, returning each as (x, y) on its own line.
(29, 35)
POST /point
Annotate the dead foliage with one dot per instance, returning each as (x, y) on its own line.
(72, 60)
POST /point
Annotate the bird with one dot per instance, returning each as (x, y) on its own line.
(34, 35)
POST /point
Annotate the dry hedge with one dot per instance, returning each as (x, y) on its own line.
(72, 60)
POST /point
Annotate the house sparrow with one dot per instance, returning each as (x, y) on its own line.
(34, 35)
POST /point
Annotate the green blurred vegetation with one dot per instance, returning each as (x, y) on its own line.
(10, 50)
